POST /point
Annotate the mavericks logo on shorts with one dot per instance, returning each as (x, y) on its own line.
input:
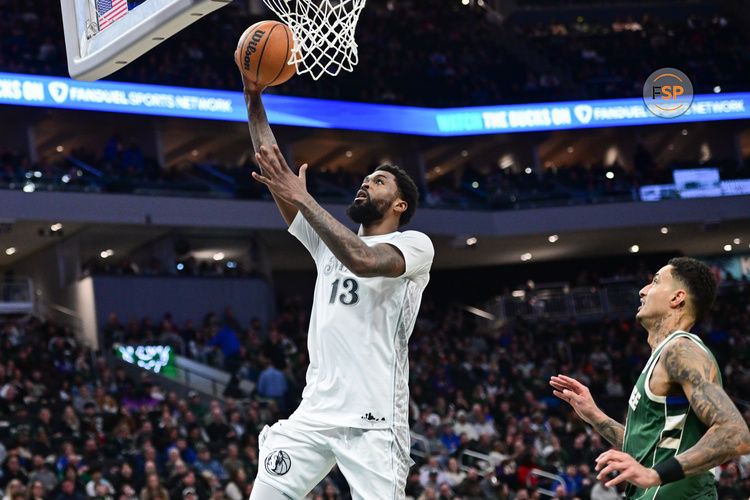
(278, 463)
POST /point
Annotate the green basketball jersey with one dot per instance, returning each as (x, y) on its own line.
(660, 427)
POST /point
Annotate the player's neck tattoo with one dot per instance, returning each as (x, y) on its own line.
(665, 326)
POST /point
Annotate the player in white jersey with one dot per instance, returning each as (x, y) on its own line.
(354, 410)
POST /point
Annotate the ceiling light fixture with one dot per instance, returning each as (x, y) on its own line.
(635, 249)
(10, 250)
(552, 238)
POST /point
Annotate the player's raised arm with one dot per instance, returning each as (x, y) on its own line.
(261, 135)
(727, 436)
(578, 396)
(361, 259)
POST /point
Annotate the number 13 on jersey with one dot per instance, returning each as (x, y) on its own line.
(349, 288)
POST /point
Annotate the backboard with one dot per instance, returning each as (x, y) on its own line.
(102, 36)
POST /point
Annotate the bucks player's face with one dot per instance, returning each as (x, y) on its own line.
(374, 198)
(659, 297)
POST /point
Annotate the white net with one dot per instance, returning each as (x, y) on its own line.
(324, 33)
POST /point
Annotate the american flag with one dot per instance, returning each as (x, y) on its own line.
(110, 11)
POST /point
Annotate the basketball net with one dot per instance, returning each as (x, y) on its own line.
(323, 32)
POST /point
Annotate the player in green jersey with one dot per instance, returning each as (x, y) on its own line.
(680, 422)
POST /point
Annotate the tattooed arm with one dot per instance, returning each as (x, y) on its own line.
(610, 429)
(261, 135)
(360, 258)
(578, 396)
(727, 437)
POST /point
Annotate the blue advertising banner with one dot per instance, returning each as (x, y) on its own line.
(159, 100)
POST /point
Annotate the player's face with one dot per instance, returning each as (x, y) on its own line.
(657, 296)
(374, 198)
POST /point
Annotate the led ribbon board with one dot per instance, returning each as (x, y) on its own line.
(157, 100)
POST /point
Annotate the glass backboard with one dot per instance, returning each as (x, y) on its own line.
(102, 36)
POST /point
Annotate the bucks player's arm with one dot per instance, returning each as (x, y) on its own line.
(578, 396)
(691, 369)
(262, 137)
(727, 437)
(361, 259)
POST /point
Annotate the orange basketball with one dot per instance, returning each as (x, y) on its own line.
(263, 52)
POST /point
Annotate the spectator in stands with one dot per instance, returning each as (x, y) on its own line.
(470, 486)
(454, 475)
(37, 491)
(451, 441)
(230, 319)
(217, 429)
(41, 473)
(272, 382)
(14, 489)
(189, 481)
(226, 339)
(113, 331)
(153, 490)
(125, 477)
(233, 462)
(601, 492)
(462, 426)
(205, 462)
(98, 485)
(237, 486)
(12, 470)
(68, 491)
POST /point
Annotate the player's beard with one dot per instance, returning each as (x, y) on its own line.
(367, 211)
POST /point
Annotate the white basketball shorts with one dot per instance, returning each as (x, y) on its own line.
(295, 457)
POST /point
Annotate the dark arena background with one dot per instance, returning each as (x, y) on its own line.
(132, 238)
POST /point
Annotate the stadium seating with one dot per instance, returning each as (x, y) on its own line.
(482, 413)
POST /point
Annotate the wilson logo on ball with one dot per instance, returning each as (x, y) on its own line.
(252, 46)
(264, 53)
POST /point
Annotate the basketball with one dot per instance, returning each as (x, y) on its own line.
(263, 52)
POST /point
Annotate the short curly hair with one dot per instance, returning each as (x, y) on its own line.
(699, 280)
(407, 191)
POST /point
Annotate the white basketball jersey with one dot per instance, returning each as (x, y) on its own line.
(359, 333)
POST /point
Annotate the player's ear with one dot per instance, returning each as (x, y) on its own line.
(679, 298)
(400, 206)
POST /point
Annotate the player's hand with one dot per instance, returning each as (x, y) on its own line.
(279, 177)
(630, 470)
(577, 395)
